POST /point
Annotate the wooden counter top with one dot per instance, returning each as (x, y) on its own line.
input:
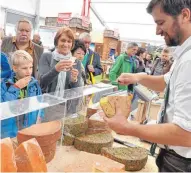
(67, 154)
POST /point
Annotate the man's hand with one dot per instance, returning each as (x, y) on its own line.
(128, 78)
(74, 75)
(23, 82)
(91, 68)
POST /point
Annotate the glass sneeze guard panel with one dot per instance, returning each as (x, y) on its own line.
(23, 106)
(70, 94)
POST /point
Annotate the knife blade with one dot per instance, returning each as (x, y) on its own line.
(125, 143)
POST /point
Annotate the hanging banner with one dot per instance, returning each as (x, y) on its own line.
(85, 21)
(64, 18)
(85, 14)
(86, 8)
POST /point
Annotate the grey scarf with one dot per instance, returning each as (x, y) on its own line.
(59, 92)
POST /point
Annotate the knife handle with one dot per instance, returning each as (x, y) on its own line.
(118, 141)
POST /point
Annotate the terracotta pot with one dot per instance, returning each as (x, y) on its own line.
(47, 135)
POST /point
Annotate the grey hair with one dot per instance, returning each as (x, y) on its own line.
(132, 44)
(84, 35)
(23, 20)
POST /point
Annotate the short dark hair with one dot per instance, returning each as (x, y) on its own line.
(140, 51)
(78, 44)
(150, 55)
(166, 50)
(170, 7)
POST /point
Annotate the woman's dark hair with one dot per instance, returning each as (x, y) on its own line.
(170, 7)
(140, 51)
(78, 44)
(150, 55)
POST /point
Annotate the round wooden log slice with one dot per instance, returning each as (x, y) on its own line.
(76, 126)
(93, 143)
(134, 159)
(45, 133)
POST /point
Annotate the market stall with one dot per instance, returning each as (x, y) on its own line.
(70, 133)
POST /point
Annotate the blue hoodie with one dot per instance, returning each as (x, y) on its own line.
(9, 93)
(5, 67)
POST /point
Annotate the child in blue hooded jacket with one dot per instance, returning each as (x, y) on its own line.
(20, 85)
(5, 67)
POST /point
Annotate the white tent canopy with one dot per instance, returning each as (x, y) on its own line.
(129, 17)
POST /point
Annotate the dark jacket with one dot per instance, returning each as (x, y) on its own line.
(9, 47)
(140, 66)
(161, 68)
(9, 92)
(49, 75)
(96, 63)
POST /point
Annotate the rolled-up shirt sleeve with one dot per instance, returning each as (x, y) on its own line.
(182, 97)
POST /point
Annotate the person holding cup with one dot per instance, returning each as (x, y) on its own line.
(58, 69)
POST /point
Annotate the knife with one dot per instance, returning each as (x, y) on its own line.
(125, 143)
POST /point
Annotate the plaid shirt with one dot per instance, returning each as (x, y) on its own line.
(29, 49)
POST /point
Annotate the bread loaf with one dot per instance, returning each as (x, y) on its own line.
(134, 159)
(68, 139)
(123, 102)
(76, 126)
(93, 143)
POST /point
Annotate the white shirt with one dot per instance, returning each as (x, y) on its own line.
(179, 105)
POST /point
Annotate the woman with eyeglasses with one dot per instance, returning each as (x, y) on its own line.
(79, 51)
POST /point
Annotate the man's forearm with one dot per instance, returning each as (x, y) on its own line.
(169, 134)
(156, 83)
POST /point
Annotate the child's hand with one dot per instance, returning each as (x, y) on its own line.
(23, 82)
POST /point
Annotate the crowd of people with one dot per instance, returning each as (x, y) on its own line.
(26, 70)
(70, 64)
(136, 60)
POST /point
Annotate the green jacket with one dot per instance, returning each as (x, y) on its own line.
(123, 64)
